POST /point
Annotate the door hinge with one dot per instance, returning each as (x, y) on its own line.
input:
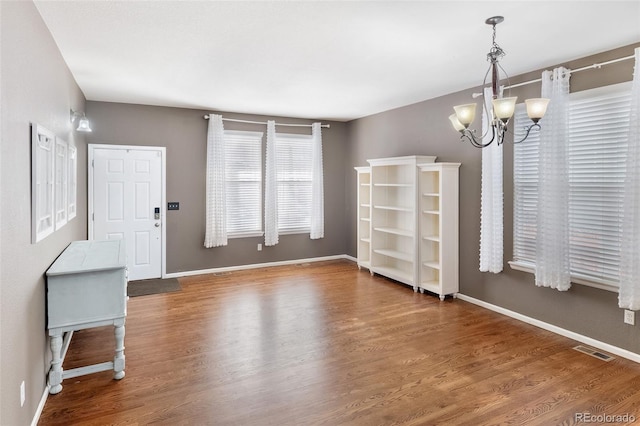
(93, 216)
(92, 163)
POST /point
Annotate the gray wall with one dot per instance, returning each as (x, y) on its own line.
(424, 128)
(37, 87)
(184, 133)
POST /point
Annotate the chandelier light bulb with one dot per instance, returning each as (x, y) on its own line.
(503, 108)
(536, 108)
(465, 114)
(456, 124)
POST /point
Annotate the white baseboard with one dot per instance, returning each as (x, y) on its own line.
(43, 400)
(256, 265)
(555, 329)
(351, 258)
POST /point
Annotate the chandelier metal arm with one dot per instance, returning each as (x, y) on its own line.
(534, 125)
(495, 136)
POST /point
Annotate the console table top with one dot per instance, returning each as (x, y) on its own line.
(89, 256)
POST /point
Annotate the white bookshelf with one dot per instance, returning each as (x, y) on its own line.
(408, 222)
(439, 263)
(364, 217)
(394, 213)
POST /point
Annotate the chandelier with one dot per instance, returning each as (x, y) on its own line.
(503, 108)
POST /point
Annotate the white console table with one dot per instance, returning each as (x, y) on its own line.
(86, 287)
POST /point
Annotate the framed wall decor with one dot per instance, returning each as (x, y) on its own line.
(61, 193)
(54, 182)
(43, 146)
(72, 154)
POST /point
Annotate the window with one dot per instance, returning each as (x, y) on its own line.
(243, 174)
(294, 175)
(598, 125)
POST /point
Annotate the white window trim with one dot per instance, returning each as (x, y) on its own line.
(577, 278)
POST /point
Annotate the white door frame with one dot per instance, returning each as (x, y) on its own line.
(163, 191)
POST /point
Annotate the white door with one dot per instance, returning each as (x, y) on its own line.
(126, 203)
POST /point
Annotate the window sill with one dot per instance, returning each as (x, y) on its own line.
(575, 279)
(246, 235)
(261, 233)
(294, 231)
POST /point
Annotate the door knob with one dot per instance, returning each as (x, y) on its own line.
(157, 225)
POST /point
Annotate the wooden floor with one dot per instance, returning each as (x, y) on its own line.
(326, 344)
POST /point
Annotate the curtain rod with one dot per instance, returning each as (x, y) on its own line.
(206, 117)
(596, 65)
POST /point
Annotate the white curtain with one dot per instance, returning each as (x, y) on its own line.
(216, 207)
(629, 292)
(271, 189)
(552, 238)
(491, 211)
(317, 184)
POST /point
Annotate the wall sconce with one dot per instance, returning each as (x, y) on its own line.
(83, 122)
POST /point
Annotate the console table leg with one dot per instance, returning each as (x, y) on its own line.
(118, 360)
(55, 374)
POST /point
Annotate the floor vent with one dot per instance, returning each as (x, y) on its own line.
(302, 265)
(221, 274)
(594, 353)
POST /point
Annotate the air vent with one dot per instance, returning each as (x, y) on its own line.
(594, 353)
(221, 274)
(302, 265)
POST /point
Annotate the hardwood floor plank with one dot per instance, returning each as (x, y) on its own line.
(327, 344)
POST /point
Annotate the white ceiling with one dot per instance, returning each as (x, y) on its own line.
(322, 60)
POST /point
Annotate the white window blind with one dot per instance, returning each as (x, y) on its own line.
(243, 170)
(598, 120)
(525, 189)
(294, 175)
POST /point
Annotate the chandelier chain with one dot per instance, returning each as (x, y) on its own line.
(496, 52)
